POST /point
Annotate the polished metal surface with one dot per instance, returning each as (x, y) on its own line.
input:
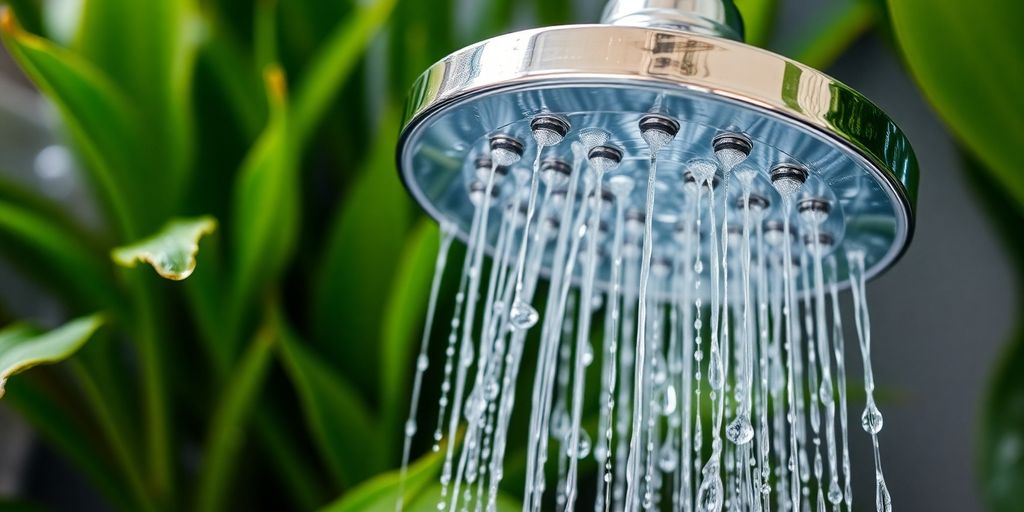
(608, 77)
(707, 17)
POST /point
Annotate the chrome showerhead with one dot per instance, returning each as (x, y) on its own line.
(673, 59)
(703, 193)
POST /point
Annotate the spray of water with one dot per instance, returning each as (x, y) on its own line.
(720, 346)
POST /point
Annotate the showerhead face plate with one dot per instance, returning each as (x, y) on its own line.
(603, 80)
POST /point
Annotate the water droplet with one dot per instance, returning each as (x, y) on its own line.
(871, 419)
(422, 362)
(709, 496)
(668, 459)
(588, 354)
(475, 406)
(491, 389)
(410, 428)
(716, 375)
(582, 447)
(835, 494)
(523, 316)
(740, 431)
(561, 424)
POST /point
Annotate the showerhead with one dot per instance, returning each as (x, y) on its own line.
(665, 67)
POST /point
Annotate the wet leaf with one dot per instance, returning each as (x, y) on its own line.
(98, 115)
(172, 251)
(342, 426)
(382, 492)
(22, 347)
(966, 57)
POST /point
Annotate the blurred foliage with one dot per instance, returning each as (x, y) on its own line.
(967, 59)
(248, 147)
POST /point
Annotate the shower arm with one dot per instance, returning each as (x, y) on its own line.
(708, 17)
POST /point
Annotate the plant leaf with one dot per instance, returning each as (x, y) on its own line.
(172, 251)
(830, 38)
(231, 419)
(149, 49)
(330, 67)
(403, 319)
(351, 445)
(382, 492)
(98, 115)
(966, 58)
(266, 207)
(49, 413)
(22, 347)
(1000, 459)
(428, 499)
(758, 19)
(57, 256)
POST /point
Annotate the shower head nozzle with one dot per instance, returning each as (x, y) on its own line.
(656, 71)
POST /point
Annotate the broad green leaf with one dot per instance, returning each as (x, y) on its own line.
(266, 208)
(231, 418)
(99, 116)
(351, 287)
(758, 20)
(342, 427)
(403, 320)
(22, 347)
(329, 68)
(149, 48)
(381, 494)
(966, 57)
(172, 251)
(51, 252)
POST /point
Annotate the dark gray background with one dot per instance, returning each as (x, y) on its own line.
(939, 317)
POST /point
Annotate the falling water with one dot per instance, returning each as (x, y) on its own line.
(713, 313)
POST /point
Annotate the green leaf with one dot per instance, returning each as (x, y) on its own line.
(172, 251)
(428, 499)
(382, 492)
(57, 256)
(266, 208)
(231, 418)
(329, 68)
(758, 19)
(347, 439)
(403, 320)
(350, 291)
(1000, 459)
(840, 29)
(22, 347)
(97, 113)
(149, 49)
(50, 414)
(966, 57)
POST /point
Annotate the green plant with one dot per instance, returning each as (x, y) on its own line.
(240, 145)
(966, 58)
